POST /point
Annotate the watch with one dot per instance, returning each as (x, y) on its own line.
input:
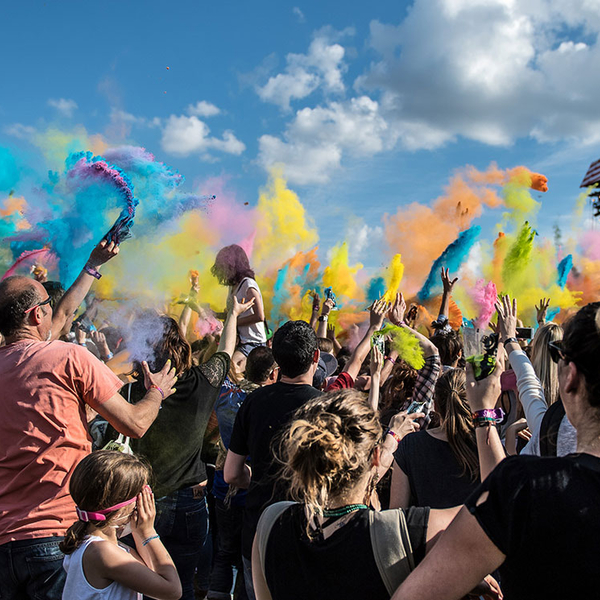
(323, 318)
(509, 340)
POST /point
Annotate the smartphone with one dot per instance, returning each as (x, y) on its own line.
(416, 407)
(379, 342)
(85, 323)
(525, 333)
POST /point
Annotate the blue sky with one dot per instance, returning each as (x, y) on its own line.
(369, 105)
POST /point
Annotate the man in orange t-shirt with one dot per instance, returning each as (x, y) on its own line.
(45, 388)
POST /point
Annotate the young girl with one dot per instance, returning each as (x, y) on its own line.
(232, 268)
(111, 493)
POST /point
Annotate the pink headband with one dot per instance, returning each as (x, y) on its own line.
(99, 515)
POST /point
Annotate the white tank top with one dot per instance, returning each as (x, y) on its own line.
(77, 586)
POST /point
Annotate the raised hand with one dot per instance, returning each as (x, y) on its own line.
(316, 303)
(542, 310)
(164, 379)
(328, 305)
(331, 332)
(402, 424)
(447, 282)
(396, 313)
(238, 308)
(376, 361)
(507, 317)
(102, 253)
(378, 311)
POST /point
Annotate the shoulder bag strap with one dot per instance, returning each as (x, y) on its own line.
(391, 545)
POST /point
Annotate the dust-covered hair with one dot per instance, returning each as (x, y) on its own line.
(231, 265)
(327, 448)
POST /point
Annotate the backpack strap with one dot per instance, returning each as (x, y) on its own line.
(549, 428)
(265, 524)
(391, 545)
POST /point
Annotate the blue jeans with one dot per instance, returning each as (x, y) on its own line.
(182, 523)
(32, 570)
(227, 567)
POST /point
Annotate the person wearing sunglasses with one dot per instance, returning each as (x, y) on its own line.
(46, 386)
(535, 519)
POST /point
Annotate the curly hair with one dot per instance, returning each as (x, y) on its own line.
(326, 448)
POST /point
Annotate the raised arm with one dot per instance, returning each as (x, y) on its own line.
(376, 366)
(376, 316)
(75, 295)
(134, 420)
(322, 324)
(447, 293)
(483, 395)
(258, 316)
(229, 333)
(531, 392)
(316, 305)
(396, 316)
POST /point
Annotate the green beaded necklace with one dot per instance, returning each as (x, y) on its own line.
(343, 510)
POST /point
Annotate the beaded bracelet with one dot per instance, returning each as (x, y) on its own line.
(148, 540)
(392, 360)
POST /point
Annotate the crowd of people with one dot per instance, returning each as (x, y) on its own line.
(258, 464)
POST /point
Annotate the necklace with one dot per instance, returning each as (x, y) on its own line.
(343, 510)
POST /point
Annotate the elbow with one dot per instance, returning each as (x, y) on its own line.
(176, 592)
(134, 430)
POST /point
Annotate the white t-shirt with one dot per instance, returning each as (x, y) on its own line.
(249, 333)
(77, 586)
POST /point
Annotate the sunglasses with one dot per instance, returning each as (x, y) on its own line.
(46, 301)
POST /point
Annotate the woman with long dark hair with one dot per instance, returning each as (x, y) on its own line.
(439, 467)
(232, 268)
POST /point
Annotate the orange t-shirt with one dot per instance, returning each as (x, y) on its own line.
(44, 387)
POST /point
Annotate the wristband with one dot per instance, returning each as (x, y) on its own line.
(108, 356)
(392, 360)
(394, 435)
(487, 415)
(148, 540)
(91, 271)
(155, 387)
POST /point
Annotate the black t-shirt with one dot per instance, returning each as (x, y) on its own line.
(433, 472)
(544, 515)
(173, 443)
(261, 417)
(340, 567)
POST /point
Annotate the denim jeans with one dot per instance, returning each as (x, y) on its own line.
(32, 570)
(182, 523)
(229, 554)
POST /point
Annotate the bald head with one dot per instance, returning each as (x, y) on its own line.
(17, 294)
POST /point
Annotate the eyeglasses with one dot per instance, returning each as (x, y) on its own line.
(556, 351)
(46, 301)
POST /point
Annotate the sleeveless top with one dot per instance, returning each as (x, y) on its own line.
(77, 586)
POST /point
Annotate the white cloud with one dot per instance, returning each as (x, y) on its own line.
(203, 109)
(315, 141)
(492, 71)
(63, 106)
(18, 130)
(183, 136)
(299, 14)
(489, 70)
(323, 66)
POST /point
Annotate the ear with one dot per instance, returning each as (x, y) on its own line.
(376, 460)
(572, 378)
(37, 315)
(317, 356)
